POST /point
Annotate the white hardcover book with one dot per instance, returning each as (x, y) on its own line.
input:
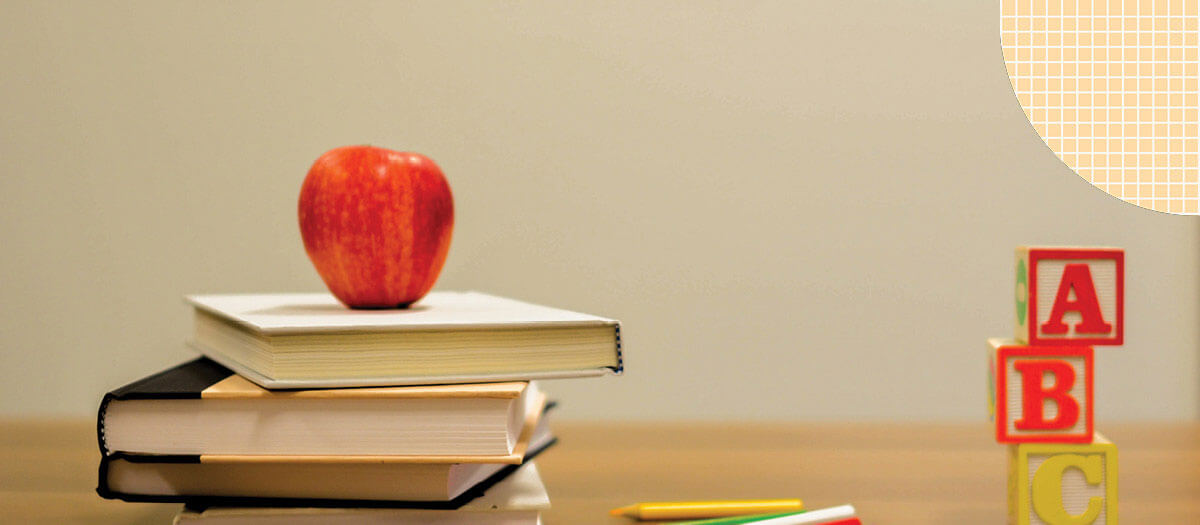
(313, 341)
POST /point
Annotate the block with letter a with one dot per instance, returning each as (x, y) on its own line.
(1070, 296)
(1043, 394)
(1063, 484)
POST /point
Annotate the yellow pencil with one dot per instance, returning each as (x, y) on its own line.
(682, 510)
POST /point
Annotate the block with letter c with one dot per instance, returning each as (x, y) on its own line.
(1063, 484)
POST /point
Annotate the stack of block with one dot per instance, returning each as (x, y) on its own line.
(1068, 301)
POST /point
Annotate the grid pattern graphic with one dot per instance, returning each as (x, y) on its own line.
(1112, 87)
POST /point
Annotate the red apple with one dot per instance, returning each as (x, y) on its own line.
(376, 223)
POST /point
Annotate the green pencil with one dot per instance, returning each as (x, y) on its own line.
(738, 520)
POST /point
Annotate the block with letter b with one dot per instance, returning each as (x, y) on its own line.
(1042, 394)
(1063, 484)
(1070, 296)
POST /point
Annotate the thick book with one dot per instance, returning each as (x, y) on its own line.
(313, 341)
(360, 481)
(202, 408)
(518, 499)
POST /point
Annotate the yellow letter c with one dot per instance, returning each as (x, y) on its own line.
(1047, 488)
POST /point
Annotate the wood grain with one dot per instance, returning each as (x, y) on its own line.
(893, 473)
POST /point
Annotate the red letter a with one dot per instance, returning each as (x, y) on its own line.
(1077, 277)
(1034, 395)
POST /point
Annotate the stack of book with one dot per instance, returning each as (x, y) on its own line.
(304, 411)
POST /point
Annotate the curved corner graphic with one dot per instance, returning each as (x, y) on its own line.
(1112, 88)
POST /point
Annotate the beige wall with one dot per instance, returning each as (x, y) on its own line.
(801, 210)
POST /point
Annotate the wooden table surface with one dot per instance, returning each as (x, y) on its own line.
(894, 474)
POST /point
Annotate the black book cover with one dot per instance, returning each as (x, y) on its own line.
(200, 501)
(186, 381)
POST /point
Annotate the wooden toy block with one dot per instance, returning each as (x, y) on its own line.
(1042, 394)
(1070, 296)
(1063, 484)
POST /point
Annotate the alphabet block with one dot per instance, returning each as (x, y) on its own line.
(1043, 394)
(1070, 296)
(1063, 484)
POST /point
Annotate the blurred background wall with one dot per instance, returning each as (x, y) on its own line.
(800, 210)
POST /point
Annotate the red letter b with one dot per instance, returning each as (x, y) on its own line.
(1034, 395)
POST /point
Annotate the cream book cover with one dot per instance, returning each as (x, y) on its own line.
(313, 341)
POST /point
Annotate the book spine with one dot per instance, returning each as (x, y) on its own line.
(100, 413)
(620, 356)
